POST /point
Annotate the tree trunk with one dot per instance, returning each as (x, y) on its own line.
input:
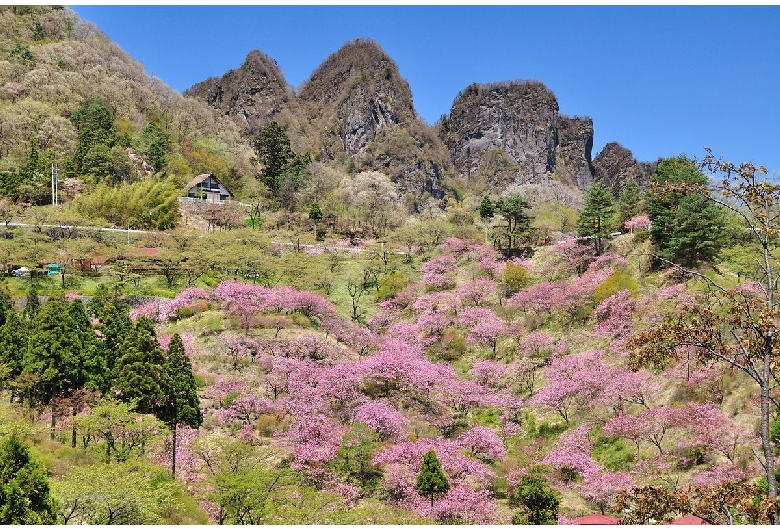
(766, 442)
(53, 420)
(173, 453)
(73, 428)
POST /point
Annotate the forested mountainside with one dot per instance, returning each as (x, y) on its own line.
(471, 323)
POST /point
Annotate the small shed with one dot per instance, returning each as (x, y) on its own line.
(207, 187)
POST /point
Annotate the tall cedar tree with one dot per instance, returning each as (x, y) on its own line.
(596, 217)
(56, 354)
(738, 327)
(486, 208)
(138, 371)
(181, 405)
(515, 210)
(431, 482)
(13, 344)
(282, 169)
(688, 228)
(24, 488)
(114, 324)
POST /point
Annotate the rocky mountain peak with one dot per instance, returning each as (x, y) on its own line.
(254, 94)
(518, 124)
(615, 165)
(359, 94)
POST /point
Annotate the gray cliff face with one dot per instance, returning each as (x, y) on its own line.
(513, 133)
(254, 94)
(358, 94)
(573, 164)
(519, 118)
(615, 165)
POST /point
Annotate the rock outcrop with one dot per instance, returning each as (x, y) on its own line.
(358, 94)
(615, 165)
(254, 94)
(573, 164)
(362, 114)
(520, 118)
(513, 133)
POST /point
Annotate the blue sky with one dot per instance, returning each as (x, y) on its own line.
(660, 80)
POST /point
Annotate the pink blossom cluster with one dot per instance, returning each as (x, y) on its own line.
(383, 419)
(468, 499)
(437, 272)
(637, 224)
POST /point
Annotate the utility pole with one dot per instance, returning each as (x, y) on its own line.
(55, 184)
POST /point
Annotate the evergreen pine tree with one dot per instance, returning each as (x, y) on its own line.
(596, 217)
(431, 482)
(13, 344)
(55, 354)
(138, 371)
(686, 227)
(181, 405)
(24, 488)
(515, 210)
(486, 208)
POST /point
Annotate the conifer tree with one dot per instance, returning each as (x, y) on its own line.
(486, 208)
(13, 344)
(55, 354)
(6, 303)
(24, 488)
(515, 210)
(138, 371)
(114, 323)
(181, 405)
(596, 217)
(431, 482)
(687, 228)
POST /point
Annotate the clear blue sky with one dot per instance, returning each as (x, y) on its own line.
(660, 80)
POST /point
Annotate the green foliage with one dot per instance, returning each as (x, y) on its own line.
(141, 205)
(157, 144)
(612, 453)
(391, 285)
(628, 205)
(24, 488)
(486, 208)
(315, 212)
(687, 227)
(94, 125)
(354, 460)
(515, 210)
(620, 280)
(181, 405)
(137, 373)
(122, 430)
(515, 277)
(431, 481)
(596, 217)
(539, 500)
(109, 494)
(283, 169)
